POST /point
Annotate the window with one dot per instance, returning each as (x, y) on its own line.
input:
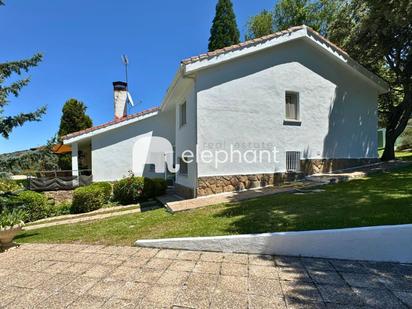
(182, 114)
(292, 105)
(183, 167)
(152, 168)
(293, 161)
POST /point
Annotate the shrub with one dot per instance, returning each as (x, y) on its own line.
(8, 185)
(128, 190)
(64, 208)
(154, 187)
(10, 218)
(106, 187)
(36, 205)
(89, 198)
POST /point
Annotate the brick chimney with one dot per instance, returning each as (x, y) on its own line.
(120, 99)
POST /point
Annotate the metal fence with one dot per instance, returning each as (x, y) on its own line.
(58, 180)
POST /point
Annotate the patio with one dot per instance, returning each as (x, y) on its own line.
(78, 276)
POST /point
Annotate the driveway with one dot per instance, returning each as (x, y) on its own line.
(82, 276)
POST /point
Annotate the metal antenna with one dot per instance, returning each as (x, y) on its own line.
(125, 61)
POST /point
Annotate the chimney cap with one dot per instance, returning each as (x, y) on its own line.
(120, 85)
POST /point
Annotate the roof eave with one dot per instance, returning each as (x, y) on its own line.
(82, 137)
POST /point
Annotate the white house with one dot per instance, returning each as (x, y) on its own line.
(293, 91)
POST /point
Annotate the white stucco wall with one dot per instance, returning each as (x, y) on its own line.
(389, 243)
(242, 101)
(186, 135)
(112, 150)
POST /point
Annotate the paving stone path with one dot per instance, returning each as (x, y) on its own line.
(82, 276)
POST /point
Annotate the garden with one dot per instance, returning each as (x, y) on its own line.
(19, 205)
(382, 198)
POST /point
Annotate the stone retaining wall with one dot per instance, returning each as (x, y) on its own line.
(220, 184)
(184, 192)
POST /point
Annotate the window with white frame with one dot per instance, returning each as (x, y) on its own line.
(292, 105)
(183, 167)
(182, 116)
(293, 161)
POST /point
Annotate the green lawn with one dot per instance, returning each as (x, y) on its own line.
(384, 198)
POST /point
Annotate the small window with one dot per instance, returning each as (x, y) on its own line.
(152, 168)
(183, 167)
(293, 161)
(182, 114)
(292, 105)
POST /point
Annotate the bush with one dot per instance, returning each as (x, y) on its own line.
(89, 198)
(61, 209)
(154, 187)
(8, 185)
(128, 190)
(106, 187)
(36, 205)
(11, 218)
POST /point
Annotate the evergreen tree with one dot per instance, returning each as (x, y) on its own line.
(8, 123)
(74, 118)
(224, 31)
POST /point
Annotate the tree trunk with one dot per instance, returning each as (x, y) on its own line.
(389, 152)
(397, 124)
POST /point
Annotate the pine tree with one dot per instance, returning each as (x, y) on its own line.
(224, 31)
(8, 123)
(74, 118)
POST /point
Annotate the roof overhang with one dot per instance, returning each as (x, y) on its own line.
(88, 135)
(195, 64)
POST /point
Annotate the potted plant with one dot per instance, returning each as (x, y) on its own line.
(11, 222)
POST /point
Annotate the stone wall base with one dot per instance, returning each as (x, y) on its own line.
(184, 192)
(219, 184)
(315, 166)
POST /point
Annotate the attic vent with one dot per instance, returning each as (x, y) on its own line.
(293, 161)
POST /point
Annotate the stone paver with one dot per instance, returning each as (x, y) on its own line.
(85, 276)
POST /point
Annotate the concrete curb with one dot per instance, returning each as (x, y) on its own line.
(390, 243)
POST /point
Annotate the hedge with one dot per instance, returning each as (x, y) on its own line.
(91, 197)
(133, 189)
(35, 204)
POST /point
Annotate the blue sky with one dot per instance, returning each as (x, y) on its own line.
(82, 42)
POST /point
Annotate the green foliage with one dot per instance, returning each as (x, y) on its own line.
(154, 187)
(9, 218)
(74, 118)
(128, 190)
(35, 204)
(106, 187)
(224, 31)
(7, 69)
(30, 160)
(62, 209)
(89, 198)
(8, 186)
(288, 13)
(259, 25)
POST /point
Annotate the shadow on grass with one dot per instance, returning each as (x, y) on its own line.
(384, 198)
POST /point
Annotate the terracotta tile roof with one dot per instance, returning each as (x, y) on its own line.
(259, 41)
(241, 45)
(110, 123)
